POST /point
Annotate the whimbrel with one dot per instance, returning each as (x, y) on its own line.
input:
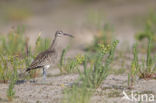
(47, 57)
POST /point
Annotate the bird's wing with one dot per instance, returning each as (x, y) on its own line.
(39, 61)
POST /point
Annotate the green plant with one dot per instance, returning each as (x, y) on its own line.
(7, 66)
(134, 67)
(149, 29)
(15, 45)
(10, 91)
(13, 79)
(41, 44)
(92, 76)
(71, 64)
(104, 37)
(62, 57)
(4, 73)
(144, 70)
(148, 68)
(61, 65)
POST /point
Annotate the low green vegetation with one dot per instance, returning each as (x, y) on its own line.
(71, 64)
(93, 67)
(7, 66)
(15, 45)
(16, 55)
(13, 79)
(92, 76)
(146, 69)
(149, 29)
(41, 44)
(61, 65)
(104, 36)
(103, 31)
(134, 67)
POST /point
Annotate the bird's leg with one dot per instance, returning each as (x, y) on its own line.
(44, 74)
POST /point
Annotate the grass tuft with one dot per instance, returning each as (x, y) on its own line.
(146, 69)
(91, 77)
(15, 45)
(13, 79)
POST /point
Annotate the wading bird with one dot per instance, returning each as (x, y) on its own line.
(47, 57)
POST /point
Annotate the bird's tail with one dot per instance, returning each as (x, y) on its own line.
(27, 70)
(31, 68)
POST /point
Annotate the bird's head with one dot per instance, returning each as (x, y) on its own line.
(60, 33)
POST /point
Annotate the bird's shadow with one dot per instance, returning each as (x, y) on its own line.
(18, 82)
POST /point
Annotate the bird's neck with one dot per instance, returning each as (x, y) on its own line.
(53, 44)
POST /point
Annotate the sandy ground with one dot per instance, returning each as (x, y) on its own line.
(121, 14)
(39, 92)
(111, 90)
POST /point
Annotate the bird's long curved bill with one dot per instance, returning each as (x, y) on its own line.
(68, 35)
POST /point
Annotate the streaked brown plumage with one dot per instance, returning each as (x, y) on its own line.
(44, 58)
(47, 57)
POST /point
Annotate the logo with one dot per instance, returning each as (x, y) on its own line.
(137, 97)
